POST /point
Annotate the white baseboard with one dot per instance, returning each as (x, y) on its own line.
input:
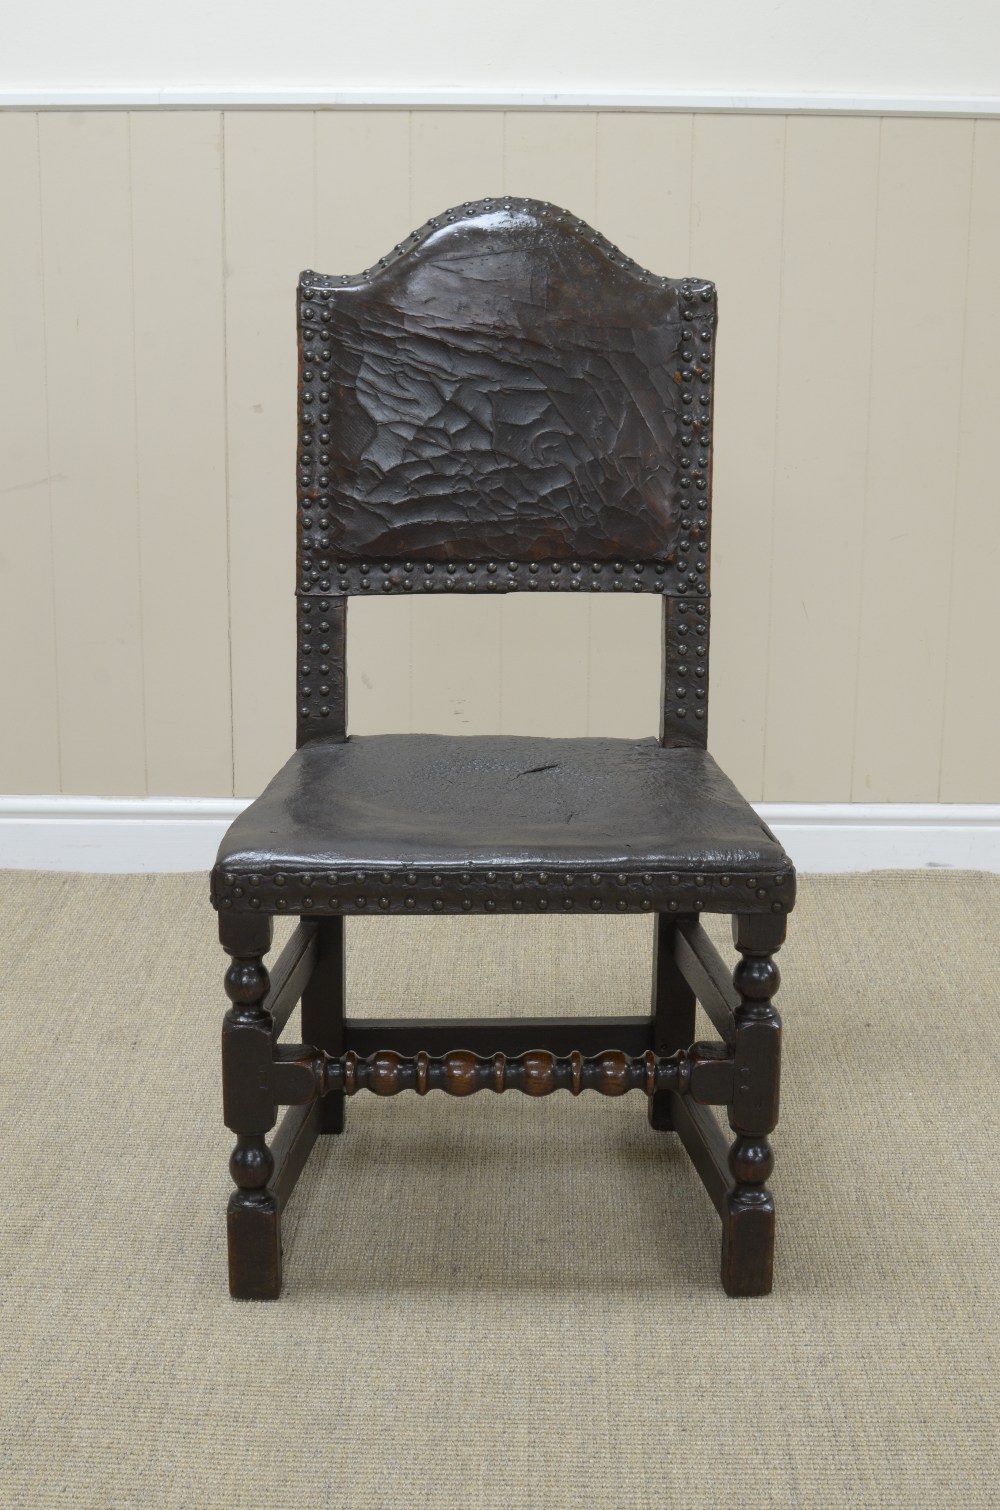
(132, 834)
(127, 834)
(843, 836)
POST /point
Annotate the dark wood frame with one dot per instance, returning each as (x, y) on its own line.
(653, 1053)
(610, 1055)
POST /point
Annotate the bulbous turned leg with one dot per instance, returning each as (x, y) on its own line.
(748, 1220)
(254, 1217)
(253, 1223)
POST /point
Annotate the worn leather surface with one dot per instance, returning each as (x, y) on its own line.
(433, 822)
(505, 386)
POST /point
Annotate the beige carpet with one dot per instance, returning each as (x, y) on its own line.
(499, 1302)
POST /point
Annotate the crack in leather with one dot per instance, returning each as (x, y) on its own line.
(506, 385)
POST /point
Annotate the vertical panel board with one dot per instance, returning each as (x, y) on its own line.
(29, 743)
(970, 765)
(181, 446)
(363, 209)
(643, 205)
(544, 662)
(270, 230)
(644, 187)
(923, 223)
(455, 156)
(831, 186)
(737, 197)
(87, 240)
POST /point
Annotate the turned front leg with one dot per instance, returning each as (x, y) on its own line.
(748, 1215)
(253, 1218)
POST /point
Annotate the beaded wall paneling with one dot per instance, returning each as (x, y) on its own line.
(147, 371)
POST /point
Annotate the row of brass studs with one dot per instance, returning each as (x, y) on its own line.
(689, 659)
(404, 576)
(303, 891)
(315, 684)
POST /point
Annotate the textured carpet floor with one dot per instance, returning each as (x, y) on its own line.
(499, 1302)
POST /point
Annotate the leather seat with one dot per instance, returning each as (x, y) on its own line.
(429, 822)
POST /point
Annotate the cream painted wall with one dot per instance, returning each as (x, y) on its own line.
(147, 388)
(855, 46)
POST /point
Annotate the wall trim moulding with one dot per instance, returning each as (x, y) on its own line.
(810, 102)
(132, 834)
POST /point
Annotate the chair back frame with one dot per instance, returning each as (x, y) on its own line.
(506, 403)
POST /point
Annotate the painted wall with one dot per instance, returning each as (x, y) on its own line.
(147, 386)
(854, 46)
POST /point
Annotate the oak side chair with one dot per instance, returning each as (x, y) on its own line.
(505, 403)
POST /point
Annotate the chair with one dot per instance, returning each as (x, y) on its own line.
(505, 403)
